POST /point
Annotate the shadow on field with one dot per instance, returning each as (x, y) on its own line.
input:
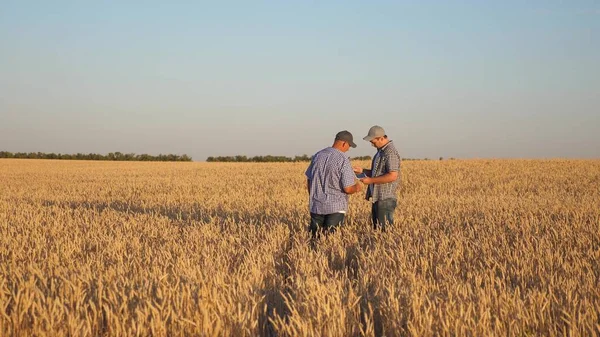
(195, 213)
(275, 290)
(172, 213)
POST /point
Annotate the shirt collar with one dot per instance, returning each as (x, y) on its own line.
(383, 147)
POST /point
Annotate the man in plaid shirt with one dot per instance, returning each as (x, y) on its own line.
(383, 178)
(330, 180)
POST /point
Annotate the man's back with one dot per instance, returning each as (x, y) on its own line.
(329, 173)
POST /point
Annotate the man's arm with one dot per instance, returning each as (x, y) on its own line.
(308, 174)
(348, 177)
(386, 178)
(359, 170)
(353, 189)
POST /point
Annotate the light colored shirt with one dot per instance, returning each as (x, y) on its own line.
(329, 173)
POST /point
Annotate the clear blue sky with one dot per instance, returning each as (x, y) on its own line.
(458, 79)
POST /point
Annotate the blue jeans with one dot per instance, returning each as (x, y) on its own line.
(325, 222)
(382, 213)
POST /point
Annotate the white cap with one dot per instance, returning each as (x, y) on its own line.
(374, 132)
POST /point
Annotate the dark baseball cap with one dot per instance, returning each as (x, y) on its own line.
(345, 136)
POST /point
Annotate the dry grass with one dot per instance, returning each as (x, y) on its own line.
(504, 247)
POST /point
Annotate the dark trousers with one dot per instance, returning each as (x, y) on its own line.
(382, 213)
(325, 222)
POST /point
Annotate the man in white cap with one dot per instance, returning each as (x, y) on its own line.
(383, 178)
(330, 180)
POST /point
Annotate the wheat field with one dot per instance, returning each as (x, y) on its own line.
(479, 248)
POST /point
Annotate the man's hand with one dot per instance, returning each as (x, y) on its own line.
(357, 169)
(386, 178)
(353, 189)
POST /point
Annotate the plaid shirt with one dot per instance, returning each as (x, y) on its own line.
(329, 173)
(386, 160)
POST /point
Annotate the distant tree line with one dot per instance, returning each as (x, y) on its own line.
(406, 159)
(113, 156)
(441, 158)
(267, 159)
(258, 159)
(284, 159)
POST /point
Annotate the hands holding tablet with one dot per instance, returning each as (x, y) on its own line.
(361, 175)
